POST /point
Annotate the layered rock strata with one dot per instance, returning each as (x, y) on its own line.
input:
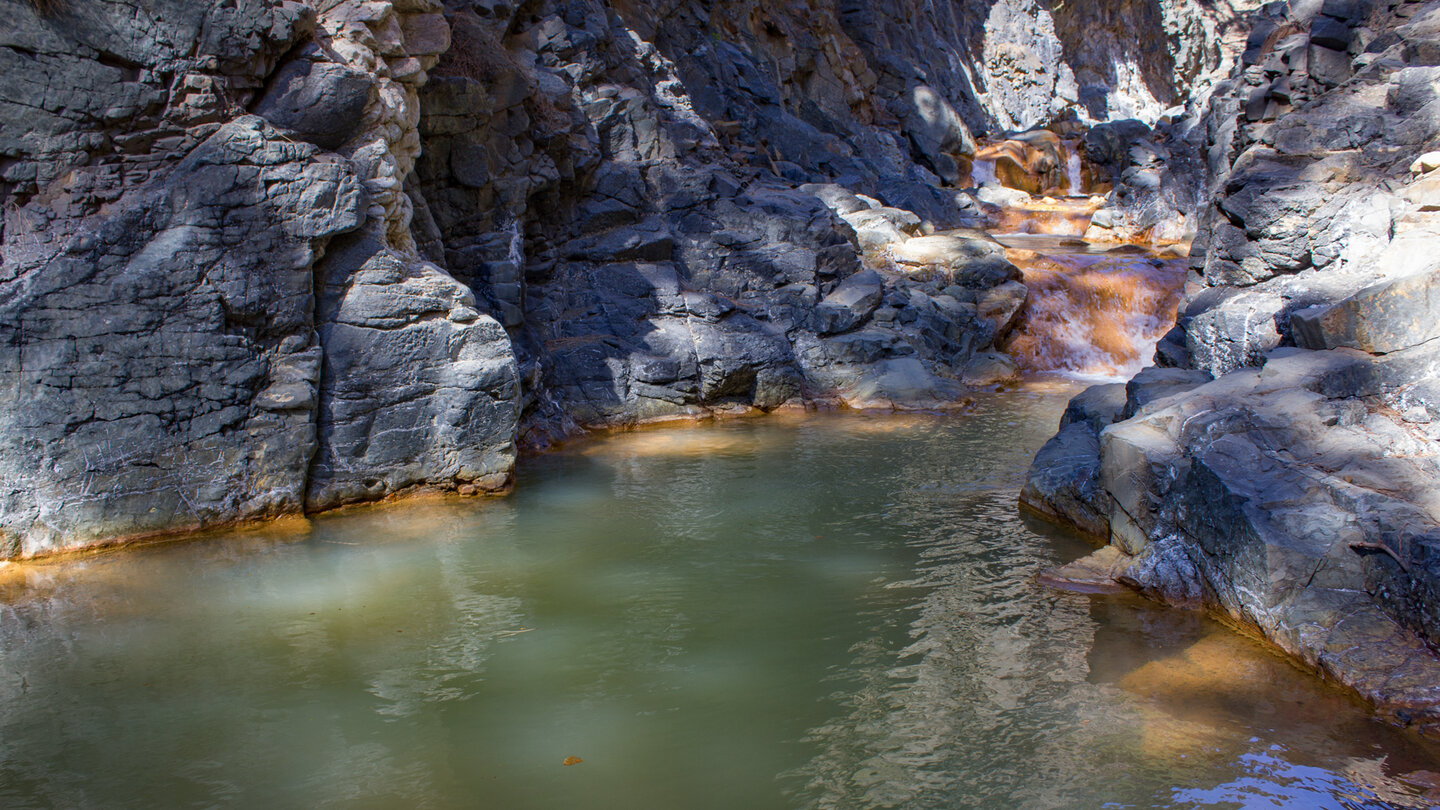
(1281, 466)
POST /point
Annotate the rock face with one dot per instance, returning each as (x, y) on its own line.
(149, 323)
(1295, 491)
(209, 315)
(271, 256)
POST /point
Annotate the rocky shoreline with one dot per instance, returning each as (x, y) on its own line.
(270, 257)
(1279, 465)
(274, 257)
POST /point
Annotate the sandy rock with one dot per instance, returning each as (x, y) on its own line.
(990, 368)
(1428, 162)
(1098, 572)
(943, 250)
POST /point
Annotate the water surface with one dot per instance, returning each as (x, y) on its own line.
(827, 612)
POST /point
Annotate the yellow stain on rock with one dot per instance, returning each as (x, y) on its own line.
(1221, 675)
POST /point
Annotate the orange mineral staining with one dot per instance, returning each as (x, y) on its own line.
(1094, 314)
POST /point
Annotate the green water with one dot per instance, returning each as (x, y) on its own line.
(830, 612)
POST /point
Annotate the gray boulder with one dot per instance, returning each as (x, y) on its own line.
(1386, 317)
(1153, 384)
(1284, 497)
(1063, 482)
(850, 303)
(319, 102)
(421, 389)
(1098, 406)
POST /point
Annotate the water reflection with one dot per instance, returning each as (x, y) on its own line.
(827, 612)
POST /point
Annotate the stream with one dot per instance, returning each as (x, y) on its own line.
(792, 612)
(801, 611)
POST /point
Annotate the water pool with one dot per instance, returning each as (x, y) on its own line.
(819, 612)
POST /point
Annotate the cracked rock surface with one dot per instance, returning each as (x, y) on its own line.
(271, 256)
(1282, 465)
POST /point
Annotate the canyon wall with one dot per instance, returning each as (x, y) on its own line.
(1279, 464)
(264, 256)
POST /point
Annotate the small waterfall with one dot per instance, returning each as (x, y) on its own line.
(1074, 183)
(1094, 315)
(1063, 217)
(516, 253)
(982, 172)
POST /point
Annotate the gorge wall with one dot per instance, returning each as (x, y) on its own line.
(265, 256)
(1279, 463)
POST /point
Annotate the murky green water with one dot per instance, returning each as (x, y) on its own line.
(833, 612)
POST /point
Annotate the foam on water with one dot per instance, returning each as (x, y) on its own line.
(1073, 181)
(1093, 313)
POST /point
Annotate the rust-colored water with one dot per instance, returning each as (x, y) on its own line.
(1051, 166)
(1067, 216)
(1091, 312)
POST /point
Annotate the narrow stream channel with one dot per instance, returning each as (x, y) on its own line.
(818, 612)
(1094, 311)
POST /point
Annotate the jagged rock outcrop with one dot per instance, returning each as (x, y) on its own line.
(1135, 116)
(208, 316)
(1295, 491)
(271, 256)
(147, 323)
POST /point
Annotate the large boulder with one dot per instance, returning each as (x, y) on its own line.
(1386, 317)
(421, 389)
(1291, 497)
(318, 101)
(1063, 482)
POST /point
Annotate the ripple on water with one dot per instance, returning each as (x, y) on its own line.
(829, 612)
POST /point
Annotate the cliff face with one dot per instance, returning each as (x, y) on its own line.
(265, 256)
(189, 292)
(1281, 465)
